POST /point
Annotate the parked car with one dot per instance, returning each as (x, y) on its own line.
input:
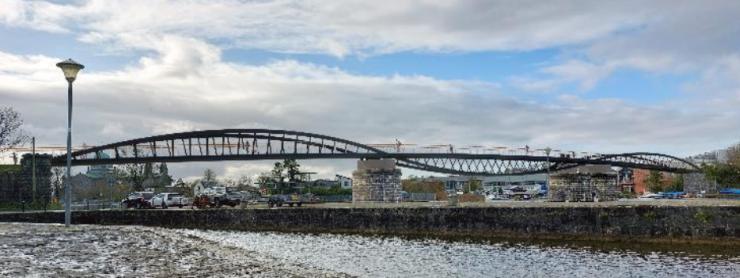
(672, 195)
(651, 196)
(217, 197)
(288, 199)
(165, 200)
(137, 200)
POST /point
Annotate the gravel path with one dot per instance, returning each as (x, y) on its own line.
(46, 250)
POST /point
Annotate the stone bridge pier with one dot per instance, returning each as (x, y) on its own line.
(376, 180)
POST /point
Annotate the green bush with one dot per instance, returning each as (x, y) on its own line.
(702, 217)
(334, 190)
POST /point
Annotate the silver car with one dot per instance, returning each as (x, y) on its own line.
(165, 200)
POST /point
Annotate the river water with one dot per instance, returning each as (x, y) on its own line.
(398, 257)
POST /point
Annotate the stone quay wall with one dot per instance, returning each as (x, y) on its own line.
(717, 225)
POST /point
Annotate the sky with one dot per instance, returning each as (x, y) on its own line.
(596, 76)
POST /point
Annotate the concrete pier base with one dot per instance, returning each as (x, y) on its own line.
(376, 180)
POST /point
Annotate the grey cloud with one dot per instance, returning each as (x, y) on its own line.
(182, 83)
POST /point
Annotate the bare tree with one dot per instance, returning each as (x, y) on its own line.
(244, 182)
(733, 156)
(209, 176)
(133, 174)
(11, 134)
(57, 181)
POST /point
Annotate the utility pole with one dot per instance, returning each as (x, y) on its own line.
(547, 179)
(33, 170)
(111, 181)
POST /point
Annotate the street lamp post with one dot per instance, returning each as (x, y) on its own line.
(70, 68)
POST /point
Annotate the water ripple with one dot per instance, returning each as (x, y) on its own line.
(397, 257)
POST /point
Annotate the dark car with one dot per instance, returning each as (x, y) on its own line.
(137, 200)
(290, 200)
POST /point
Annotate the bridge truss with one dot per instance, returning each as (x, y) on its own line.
(266, 144)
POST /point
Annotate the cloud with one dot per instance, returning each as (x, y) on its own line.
(153, 97)
(181, 82)
(346, 28)
(585, 74)
(37, 15)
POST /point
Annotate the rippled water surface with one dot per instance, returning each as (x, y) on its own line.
(397, 257)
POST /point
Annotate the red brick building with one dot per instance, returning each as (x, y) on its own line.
(640, 175)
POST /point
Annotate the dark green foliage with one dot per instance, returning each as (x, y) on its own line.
(276, 182)
(702, 216)
(334, 190)
(654, 181)
(10, 168)
(472, 186)
(676, 185)
(726, 175)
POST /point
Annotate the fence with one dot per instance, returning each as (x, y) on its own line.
(95, 205)
(336, 198)
(422, 197)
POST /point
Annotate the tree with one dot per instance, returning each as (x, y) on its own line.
(209, 176)
(473, 185)
(148, 170)
(133, 174)
(57, 182)
(654, 181)
(722, 174)
(676, 184)
(11, 134)
(277, 173)
(164, 174)
(244, 182)
(733, 156)
(292, 168)
(264, 180)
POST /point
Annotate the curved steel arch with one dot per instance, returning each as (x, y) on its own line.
(262, 144)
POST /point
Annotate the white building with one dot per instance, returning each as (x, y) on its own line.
(344, 182)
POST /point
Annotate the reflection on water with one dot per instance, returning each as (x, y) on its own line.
(397, 257)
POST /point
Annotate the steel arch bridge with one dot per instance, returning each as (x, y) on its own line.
(267, 144)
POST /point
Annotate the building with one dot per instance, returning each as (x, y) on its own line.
(94, 183)
(625, 180)
(339, 180)
(344, 182)
(325, 183)
(588, 183)
(639, 178)
(713, 157)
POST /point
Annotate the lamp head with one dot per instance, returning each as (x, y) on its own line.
(70, 68)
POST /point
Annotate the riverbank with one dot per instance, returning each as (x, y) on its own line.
(40, 250)
(716, 225)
